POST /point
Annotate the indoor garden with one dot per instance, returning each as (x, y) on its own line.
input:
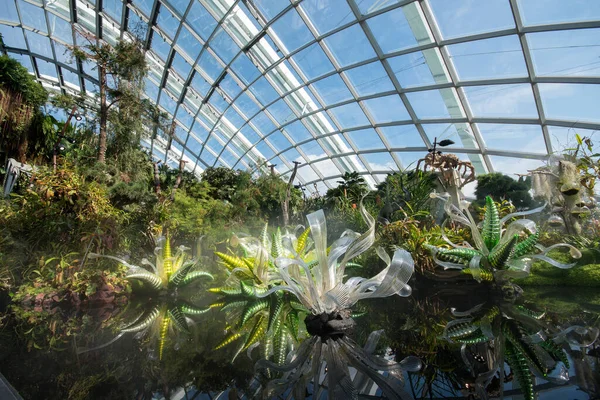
(290, 199)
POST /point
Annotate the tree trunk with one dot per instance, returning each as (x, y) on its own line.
(179, 178)
(103, 115)
(156, 178)
(285, 205)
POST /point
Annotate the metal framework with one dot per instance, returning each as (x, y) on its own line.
(338, 85)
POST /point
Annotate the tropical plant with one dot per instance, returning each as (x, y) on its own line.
(169, 273)
(21, 97)
(499, 253)
(501, 186)
(351, 189)
(121, 70)
(406, 192)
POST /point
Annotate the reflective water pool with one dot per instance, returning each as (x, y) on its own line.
(447, 340)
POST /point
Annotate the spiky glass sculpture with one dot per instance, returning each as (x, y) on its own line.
(169, 272)
(319, 283)
(499, 253)
(318, 279)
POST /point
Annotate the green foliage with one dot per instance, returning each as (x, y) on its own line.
(350, 190)
(405, 194)
(500, 186)
(16, 79)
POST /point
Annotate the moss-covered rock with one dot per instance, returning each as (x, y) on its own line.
(546, 275)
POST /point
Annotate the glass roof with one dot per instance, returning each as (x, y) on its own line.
(339, 85)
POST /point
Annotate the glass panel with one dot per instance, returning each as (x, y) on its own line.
(167, 22)
(24, 59)
(442, 103)
(279, 141)
(402, 136)
(234, 118)
(386, 109)
(86, 16)
(265, 150)
(70, 78)
(369, 79)
(32, 16)
(200, 84)
(114, 8)
(270, 8)
(508, 166)
(297, 131)
(167, 102)
(60, 28)
(336, 144)
(327, 15)
(211, 67)
(181, 66)
(244, 69)
(536, 12)
(467, 17)
(263, 124)
(246, 105)
(312, 150)
(13, 36)
(368, 6)
(350, 46)
(224, 46)
(502, 101)
(174, 84)
(281, 112)
(564, 138)
(527, 138)
(136, 25)
(491, 58)
(185, 117)
(160, 46)
(565, 53)
(39, 44)
(366, 139)
(144, 5)
(350, 115)
(200, 20)
(9, 12)
(218, 102)
(188, 43)
(263, 91)
(326, 168)
(420, 68)
(332, 90)
(574, 102)
(46, 69)
(179, 5)
(230, 86)
(459, 133)
(313, 62)
(381, 162)
(291, 31)
(400, 29)
(292, 155)
(200, 133)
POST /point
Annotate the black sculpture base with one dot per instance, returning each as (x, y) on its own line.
(330, 326)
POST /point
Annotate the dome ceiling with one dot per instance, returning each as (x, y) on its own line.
(339, 85)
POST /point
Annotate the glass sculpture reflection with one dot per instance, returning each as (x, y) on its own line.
(500, 331)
